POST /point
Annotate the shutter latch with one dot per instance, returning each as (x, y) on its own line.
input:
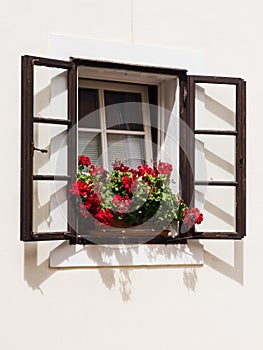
(40, 149)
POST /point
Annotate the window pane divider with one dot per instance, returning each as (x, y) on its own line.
(216, 183)
(216, 132)
(113, 131)
(52, 121)
(51, 235)
(214, 235)
(215, 80)
(47, 62)
(104, 143)
(51, 177)
(90, 130)
(125, 132)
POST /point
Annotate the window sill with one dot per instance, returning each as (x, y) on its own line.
(64, 255)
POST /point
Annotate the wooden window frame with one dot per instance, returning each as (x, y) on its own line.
(240, 165)
(27, 145)
(186, 153)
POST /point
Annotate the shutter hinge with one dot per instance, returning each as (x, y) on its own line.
(241, 159)
(185, 94)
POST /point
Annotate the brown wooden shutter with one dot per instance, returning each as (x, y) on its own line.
(28, 120)
(238, 134)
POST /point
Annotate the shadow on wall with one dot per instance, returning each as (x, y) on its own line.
(36, 274)
(112, 277)
(235, 271)
(121, 276)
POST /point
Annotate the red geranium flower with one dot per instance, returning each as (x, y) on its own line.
(74, 189)
(193, 216)
(83, 188)
(83, 211)
(80, 188)
(146, 169)
(92, 203)
(164, 168)
(105, 217)
(126, 183)
(97, 188)
(122, 203)
(98, 170)
(83, 160)
(119, 166)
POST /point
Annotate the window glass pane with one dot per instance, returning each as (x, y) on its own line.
(215, 106)
(129, 149)
(125, 111)
(53, 139)
(215, 158)
(88, 107)
(50, 206)
(50, 92)
(218, 204)
(89, 144)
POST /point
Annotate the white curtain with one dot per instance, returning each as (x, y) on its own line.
(168, 127)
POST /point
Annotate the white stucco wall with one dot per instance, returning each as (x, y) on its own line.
(214, 306)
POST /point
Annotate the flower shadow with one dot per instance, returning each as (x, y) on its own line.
(125, 261)
(115, 266)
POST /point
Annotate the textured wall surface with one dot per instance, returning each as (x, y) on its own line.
(214, 306)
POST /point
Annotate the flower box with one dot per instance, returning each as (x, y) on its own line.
(126, 202)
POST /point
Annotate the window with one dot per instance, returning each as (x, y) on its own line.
(114, 123)
(94, 88)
